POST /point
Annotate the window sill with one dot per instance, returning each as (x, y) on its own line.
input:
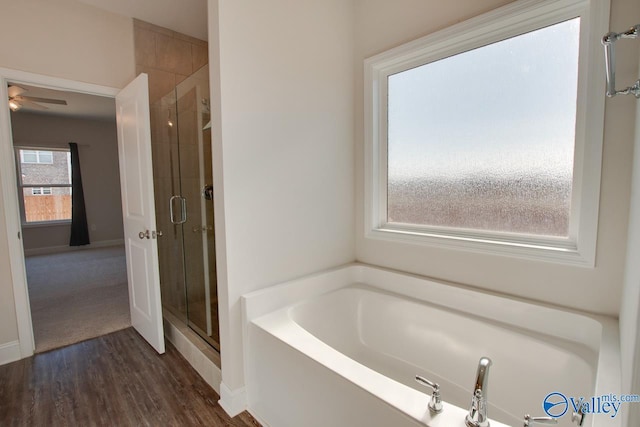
(46, 224)
(568, 254)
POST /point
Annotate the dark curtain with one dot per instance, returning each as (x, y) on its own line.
(79, 227)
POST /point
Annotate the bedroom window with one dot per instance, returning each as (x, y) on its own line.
(44, 185)
(479, 136)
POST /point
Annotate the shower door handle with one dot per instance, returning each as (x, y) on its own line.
(183, 210)
(171, 215)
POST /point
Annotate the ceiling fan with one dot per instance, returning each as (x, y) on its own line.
(17, 100)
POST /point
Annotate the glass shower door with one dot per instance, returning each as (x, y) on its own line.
(166, 179)
(184, 205)
(197, 190)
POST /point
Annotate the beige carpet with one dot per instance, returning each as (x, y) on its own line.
(77, 295)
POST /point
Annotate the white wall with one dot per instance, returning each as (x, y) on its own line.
(65, 39)
(381, 25)
(630, 307)
(185, 16)
(98, 148)
(285, 88)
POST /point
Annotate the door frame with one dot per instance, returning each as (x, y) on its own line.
(9, 192)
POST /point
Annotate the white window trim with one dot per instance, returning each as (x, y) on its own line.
(511, 20)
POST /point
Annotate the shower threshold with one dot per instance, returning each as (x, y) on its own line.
(198, 352)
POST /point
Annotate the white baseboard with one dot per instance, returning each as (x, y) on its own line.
(10, 352)
(233, 402)
(199, 355)
(58, 249)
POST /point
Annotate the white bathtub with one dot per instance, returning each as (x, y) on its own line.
(342, 348)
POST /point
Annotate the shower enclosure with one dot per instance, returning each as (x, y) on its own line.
(183, 185)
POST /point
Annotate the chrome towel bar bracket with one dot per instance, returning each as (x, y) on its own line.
(609, 57)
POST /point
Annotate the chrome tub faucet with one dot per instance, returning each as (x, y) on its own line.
(477, 416)
(435, 404)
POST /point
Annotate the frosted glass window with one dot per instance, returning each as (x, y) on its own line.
(484, 140)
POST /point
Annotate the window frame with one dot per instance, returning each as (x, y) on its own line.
(514, 19)
(41, 191)
(22, 187)
(37, 154)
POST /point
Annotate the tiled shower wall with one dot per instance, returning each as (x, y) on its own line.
(166, 56)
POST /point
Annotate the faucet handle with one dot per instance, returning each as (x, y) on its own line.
(529, 420)
(578, 417)
(435, 404)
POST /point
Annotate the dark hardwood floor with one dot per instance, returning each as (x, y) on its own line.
(113, 380)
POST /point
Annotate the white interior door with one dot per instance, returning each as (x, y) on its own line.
(136, 182)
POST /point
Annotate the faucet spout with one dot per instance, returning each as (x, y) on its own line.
(477, 416)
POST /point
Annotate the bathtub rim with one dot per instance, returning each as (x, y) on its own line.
(258, 303)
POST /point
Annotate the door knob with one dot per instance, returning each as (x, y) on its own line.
(144, 234)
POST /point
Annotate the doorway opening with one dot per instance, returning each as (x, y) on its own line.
(75, 292)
